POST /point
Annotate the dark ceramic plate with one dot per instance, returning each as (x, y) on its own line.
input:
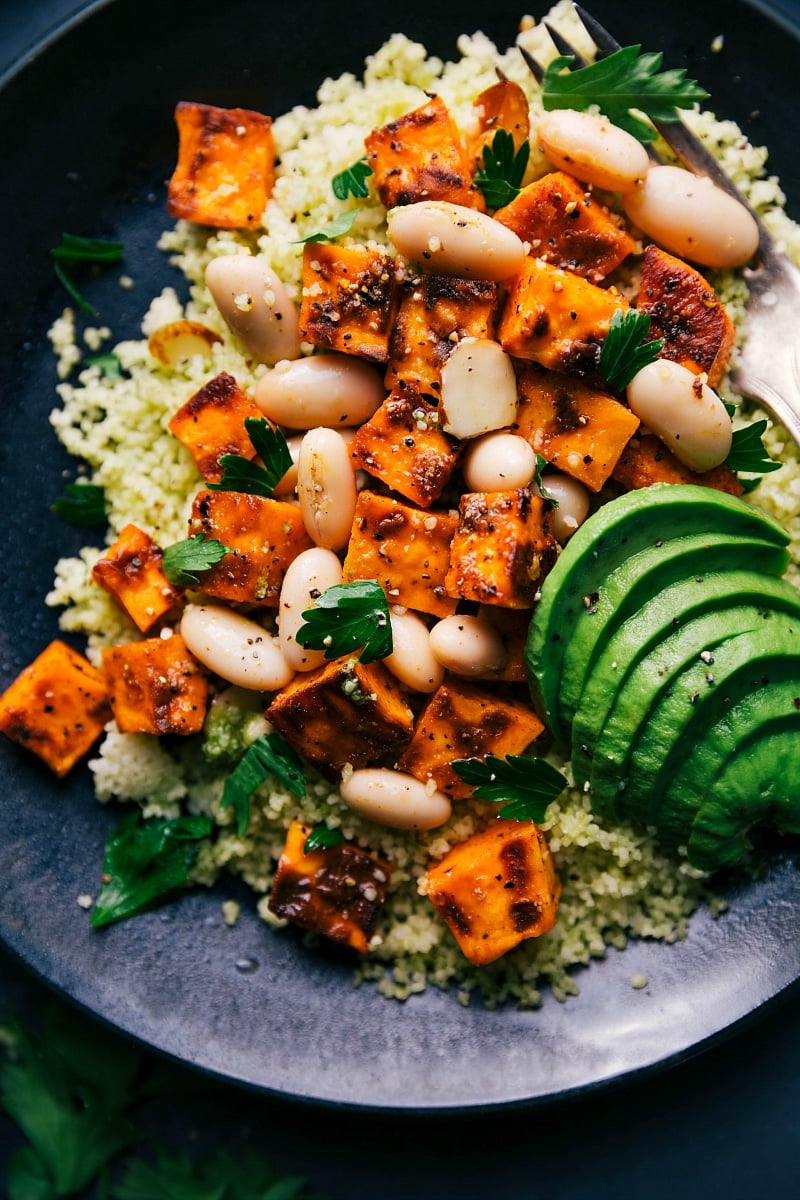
(88, 143)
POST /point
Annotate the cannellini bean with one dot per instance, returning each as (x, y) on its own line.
(479, 389)
(395, 799)
(307, 576)
(328, 389)
(255, 305)
(179, 340)
(498, 461)
(691, 217)
(449, 239)
(685, 413)
(326, 488)
(467, 645)
(412, 659)
(573, 504)
(234, 647)
(592, 149)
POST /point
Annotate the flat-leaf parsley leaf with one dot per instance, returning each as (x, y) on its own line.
(626, 349)
(524, 786)
(747, 452)
(321, 838)
(500, 177)
(335, 228)
(77, 251)
(182, 560)
(349, 617)
(269, 755)
(352, 181)
(82, 504)
(240, 474)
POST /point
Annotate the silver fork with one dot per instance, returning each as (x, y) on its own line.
(768, 367)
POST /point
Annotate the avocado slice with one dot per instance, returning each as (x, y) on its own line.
(622, 527)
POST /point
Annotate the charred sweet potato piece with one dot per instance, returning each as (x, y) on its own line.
(349, 300)
(263, 536)
(336, 891)
(647, 460)
(132, 573)
(503, 105)
(556, 318)
(226, 166)
(495, 889)
(406, 549)
(156, 686)
(685, 311)
(344, 712)
(57, 707)
(512, 625)
(464, 721)
(211, 423)
(567, 227)
(502, 548)
(420, 156)
(579, 429)
(404, 446)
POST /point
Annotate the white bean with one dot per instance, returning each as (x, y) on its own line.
(307, 576)
(479, 389)
(573, 504)
(326, 488)
(412, 660)
(450, 239)
(691, 217)
(498, 461)
(327, 389)
(177, 341)
(467, 645)
(592, 149)
(395, 799)
(685, 413)
(255, 305)
(234, 647)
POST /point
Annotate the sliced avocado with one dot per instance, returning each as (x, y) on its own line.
(641, 518)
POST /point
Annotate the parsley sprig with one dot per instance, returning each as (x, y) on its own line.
(270, 755)
(183, 560)
(747, 452)
(541, 465)
(322, 838)
(240, 474)
(624, 80)
(524, 786)
(82, 504)
(500, 177)
(346, 618)
(334, 229)
(626, 348)
(75, 251)
(352, 181)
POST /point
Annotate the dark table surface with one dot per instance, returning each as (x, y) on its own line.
(723, 1123)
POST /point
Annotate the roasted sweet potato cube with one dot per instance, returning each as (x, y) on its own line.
(337, 891)
(567, 226)
(344, 712)
(132, 573)
(646, 460)
(503, 105)
(686, 312)
(404, 445)
(263, 536)
(512, 624)
(211, 423)
(502, 548)
(57, 707)
(461, 720)
(226, 166)
(420, 156)
(156, 686)
(349, 300)
(556, 318)
(435, 313)
(495, 889)
(576, 427)
(407, 550)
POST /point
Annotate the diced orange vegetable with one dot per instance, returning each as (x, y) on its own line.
(464, 721)
(156, 686)
(263, 535)
(211, 423)
(579, 429)
(420, 156)
(57, 707)
(502, 548)
(407, 550)
(646, 460)
(567, 227)
(495, 889)
(556, 318)
(337, 891)
(344, 712)
(178, 340)
(686, 312)
(435, 313)
(349, 300)
(226, 166)
(503, 105)
(132, 573)
(512, 625)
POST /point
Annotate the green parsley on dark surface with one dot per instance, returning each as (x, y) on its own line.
(240, 474)
(500, 177)
(269, 755)
(218, 1176)
(109, 365)
(321, 838)
(183, 560)
(349, 617)
(145, 861)
(541, 464)
(747, 451)
(624, 80)
(626, 348)
(524, 786)
(78, 251)
(334, 229)
(352, 181)
(82, 504)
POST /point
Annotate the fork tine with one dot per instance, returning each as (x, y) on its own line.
(563, 46)
(532, 65)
